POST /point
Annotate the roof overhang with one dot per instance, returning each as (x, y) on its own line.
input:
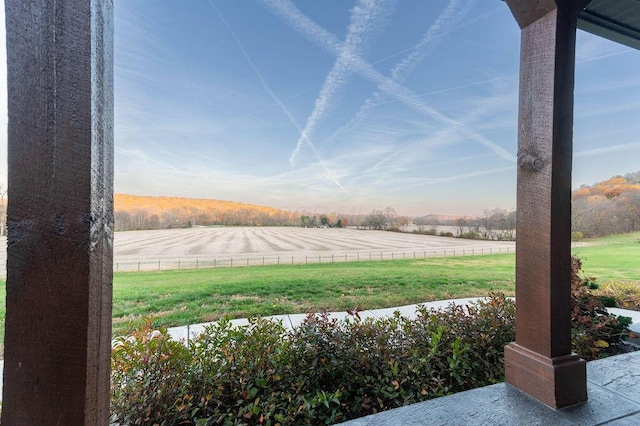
(616, 20)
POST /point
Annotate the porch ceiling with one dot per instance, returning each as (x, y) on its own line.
(616, 20)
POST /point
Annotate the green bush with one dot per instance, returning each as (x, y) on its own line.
(576, 236)
(470, 235)
(594, 332)
(324, 371)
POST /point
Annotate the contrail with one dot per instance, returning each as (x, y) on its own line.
(606, 149)
(365, 16)
(277, 100)
(417, 54)
(433, 181)
(328, 42)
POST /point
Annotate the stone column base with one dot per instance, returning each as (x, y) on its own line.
(557, 382)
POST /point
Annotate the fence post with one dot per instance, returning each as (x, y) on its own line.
(332, 259)
(247, 260)
(178, 264)
(292, 260)
(262, 260)
(158, 265)
(232, 262)
(138, 266)
(278, 260)
(345, 257)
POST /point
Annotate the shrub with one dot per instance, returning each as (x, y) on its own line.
(323, 372)
(470, 235)
(576, 236)
(594, 332)
(146, 378)
(625, 294)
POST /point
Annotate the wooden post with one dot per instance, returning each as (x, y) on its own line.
(540, 362)
(60, 214)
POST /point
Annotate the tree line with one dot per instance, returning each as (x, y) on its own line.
(133, 212)
(494, 224)
(608, 207)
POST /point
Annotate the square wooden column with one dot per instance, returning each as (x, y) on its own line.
(60, 212)
(540, 362)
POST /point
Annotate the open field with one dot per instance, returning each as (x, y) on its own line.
(246, 246)
(203, 247)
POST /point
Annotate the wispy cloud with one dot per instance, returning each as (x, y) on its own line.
(366, 17)
(329, 42)
(633, 146)
(329, 173)
(416, 54)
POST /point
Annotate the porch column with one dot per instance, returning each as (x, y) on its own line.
(540, 362)
(60, 212)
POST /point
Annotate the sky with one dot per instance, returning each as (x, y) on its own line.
(344, 105)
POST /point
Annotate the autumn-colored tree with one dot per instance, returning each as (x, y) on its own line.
(608, 207)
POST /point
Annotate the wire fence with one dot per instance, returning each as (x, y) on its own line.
(286, 259)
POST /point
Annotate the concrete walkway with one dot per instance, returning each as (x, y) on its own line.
(293, 320)
(408, 311)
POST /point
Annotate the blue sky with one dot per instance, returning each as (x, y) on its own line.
(346, 106)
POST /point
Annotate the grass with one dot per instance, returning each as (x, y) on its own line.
(192, 296)
(612, 258)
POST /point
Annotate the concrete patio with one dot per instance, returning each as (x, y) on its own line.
(613, 386)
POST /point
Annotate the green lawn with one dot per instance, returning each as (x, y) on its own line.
(612, 258)
(198, 295)
(188, 296)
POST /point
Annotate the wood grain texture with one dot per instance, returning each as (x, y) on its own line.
(60, 215)
(537, 363)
